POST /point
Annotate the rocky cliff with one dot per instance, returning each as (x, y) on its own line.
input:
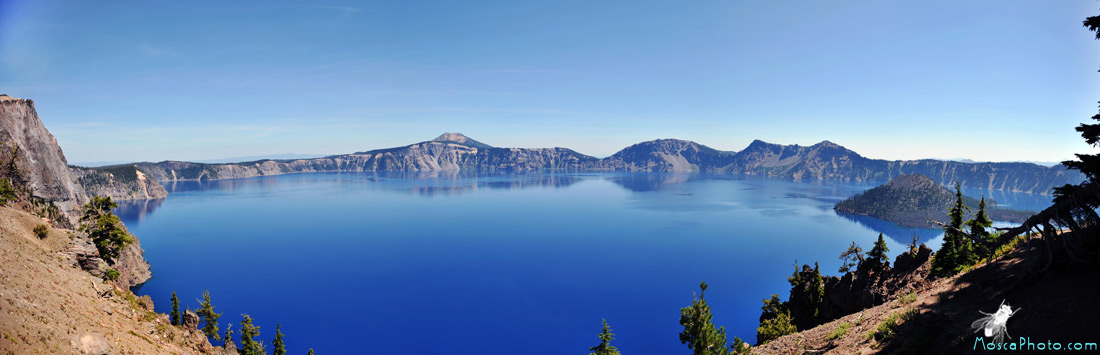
(829, 161)
(40, 159)
(120, 182)
(43, 168)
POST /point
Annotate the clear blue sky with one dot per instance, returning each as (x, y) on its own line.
(190, 80)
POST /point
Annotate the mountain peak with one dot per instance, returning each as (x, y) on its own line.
(459, 138)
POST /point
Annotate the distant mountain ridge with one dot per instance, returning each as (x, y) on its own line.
(452, 152)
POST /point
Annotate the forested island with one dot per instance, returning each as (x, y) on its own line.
(914, 200)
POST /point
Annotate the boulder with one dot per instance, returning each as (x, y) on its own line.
(91, 343)
(190, 320)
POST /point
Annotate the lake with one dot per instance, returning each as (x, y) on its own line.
(461, 264)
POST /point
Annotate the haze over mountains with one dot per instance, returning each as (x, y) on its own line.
(454, 152)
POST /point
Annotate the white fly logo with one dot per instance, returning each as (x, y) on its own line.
(994, 323)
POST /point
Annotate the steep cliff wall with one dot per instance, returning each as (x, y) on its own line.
(41, 160)
(43, 166)
(122, 182)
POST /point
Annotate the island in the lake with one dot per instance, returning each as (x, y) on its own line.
(914, 200)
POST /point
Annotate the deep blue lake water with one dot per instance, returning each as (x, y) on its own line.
(407, 264)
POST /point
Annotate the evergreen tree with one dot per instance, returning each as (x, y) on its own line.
(878, 252)
(957, 250)
(174, 317)
(249, 346)
(228, 336)
(978, 227)
(740, 347)
(807, 291)
(310, 351)
(851, 258)
(278, 342)
(913, 249)
(772, 308)
(773, 328)
(605, 347)
(699, 333)
(104, 228)
(209, 317)
(817, 289)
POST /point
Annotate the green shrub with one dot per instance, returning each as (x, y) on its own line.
(112, 274)
(839, 331)
(889, 326)
(771, 329)
(41, 231)
(907, 298)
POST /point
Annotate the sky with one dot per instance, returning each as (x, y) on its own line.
(194, 80)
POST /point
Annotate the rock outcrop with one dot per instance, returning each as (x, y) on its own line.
(120, 182)
(871, 284)
(40, 159)
(43, 166)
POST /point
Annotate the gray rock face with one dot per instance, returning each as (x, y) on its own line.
(41, 159)
(123, 182)
(87, 257)
(51, 178)
(91, 343)
(190, 320)
(132, 267)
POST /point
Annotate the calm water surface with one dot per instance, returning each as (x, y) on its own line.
(406, 264)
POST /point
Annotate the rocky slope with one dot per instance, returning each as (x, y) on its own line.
(48, 305)
(43, 166)
(936, 317)
(914, 200)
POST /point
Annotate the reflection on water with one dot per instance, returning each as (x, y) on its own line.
(903, 235)
(1013, 200)
(134, 211)
(656, 191)
(641, 182)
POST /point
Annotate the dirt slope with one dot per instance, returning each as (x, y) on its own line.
(49, 306)
(1054, 306)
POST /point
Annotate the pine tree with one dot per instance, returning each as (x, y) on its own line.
(605, 347)
(740, 347)
(878, 252)
(772, 308)
(913, 245)
(978, 227)
(773, 328)
(699, 333)
(817, 289)
(209, 317)
(249, 346)
(278, 342)
(104, 228)
(310, 351)
(228, 335)
(174, 316)
(956, 250)
(851, 258)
